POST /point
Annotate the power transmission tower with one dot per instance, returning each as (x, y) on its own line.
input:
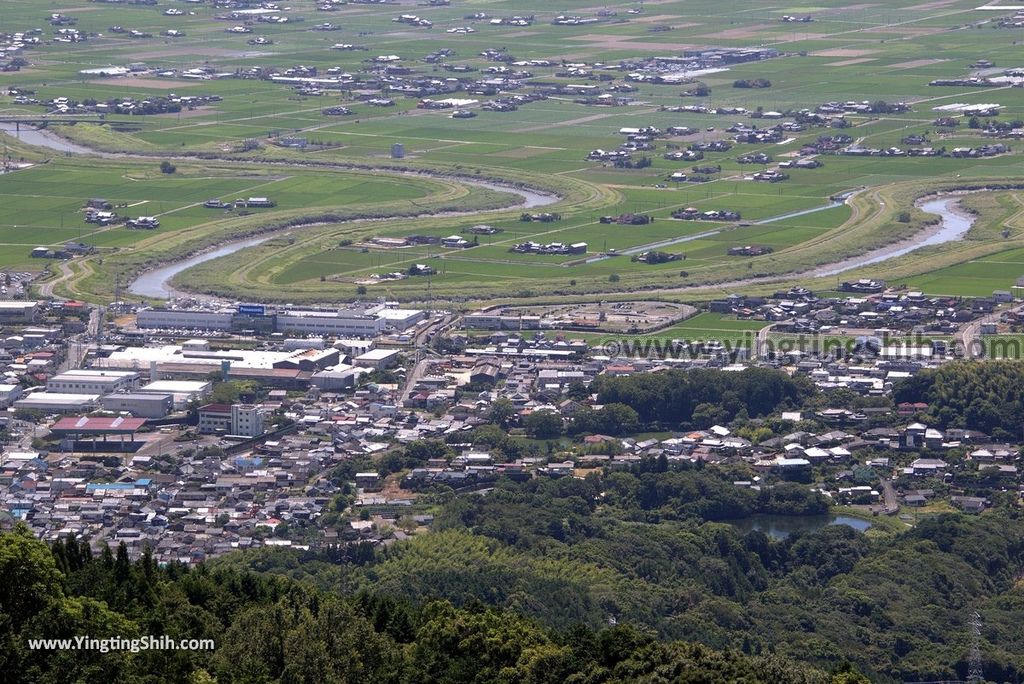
(975, 673)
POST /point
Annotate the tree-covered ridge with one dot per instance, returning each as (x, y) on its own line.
(637, 548)
(980, 396)
(677, 397)
(520, 584)
(272, 629)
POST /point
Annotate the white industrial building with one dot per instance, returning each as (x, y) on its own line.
(402, 319)
(185, 319)
(341, 323)
(58, 402)
(493, 321)
(172, 354)
(241, 420)
(139, 404)
(91, 381)
(338, 378)
(18, 311)
(183, 391)
(355, 321)
(378, 358)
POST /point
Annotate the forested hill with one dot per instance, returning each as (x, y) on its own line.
(677, 396)
(982, 396)
(273, 629)
(694, 602)
(639, 548)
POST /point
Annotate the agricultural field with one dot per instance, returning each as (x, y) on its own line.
(264, 120)
(704, 328)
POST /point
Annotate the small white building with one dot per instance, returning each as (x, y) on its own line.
(454, 242)
(9, 394)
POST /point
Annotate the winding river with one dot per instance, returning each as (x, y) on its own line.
(953, 226)
(42, 138)
(156, 282)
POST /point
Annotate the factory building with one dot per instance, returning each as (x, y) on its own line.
(90, 381)
(359, 321)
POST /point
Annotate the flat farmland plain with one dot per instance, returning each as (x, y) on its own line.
(849, 54)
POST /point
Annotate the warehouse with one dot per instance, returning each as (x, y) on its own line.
(139, 404)
(402, 319)
(378, 358)
(57, 402)
(173, 356)
(356, 321)
(86, 381)
(338, 378)
(18, 312)
(183, 391)
(342, 323)
(184, 319)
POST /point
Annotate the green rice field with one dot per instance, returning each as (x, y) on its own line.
(230, 148)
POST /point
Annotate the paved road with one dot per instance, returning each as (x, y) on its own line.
(968, 337)
(892, 505)
(46, 289)
(77, 346)
(420, 341)
(762, 341)
(413, 377)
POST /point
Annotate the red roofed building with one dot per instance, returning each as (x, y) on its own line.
(79, 427)
(75, 426)
(908, 408)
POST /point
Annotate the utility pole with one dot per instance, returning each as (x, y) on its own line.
(100, 312)
(430, 294)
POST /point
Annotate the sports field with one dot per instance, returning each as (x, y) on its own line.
(231, 147)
